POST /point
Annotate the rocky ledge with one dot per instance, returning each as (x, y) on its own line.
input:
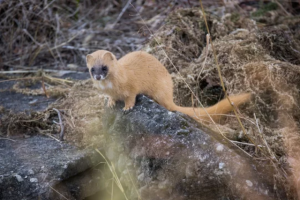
(166, 154)
(39, 167)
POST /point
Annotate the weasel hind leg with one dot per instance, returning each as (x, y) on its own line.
(165, 99)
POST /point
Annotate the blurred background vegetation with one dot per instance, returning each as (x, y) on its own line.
(57, 34)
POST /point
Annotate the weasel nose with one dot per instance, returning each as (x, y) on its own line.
(98, 77)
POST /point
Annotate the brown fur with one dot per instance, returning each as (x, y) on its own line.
(141, 73)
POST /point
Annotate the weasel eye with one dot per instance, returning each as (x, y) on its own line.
(93, 69)
(104, 68)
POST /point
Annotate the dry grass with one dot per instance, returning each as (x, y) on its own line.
(117, 180)
(56, 33)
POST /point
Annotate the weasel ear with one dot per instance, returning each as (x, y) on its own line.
(109, 56)
(89, 59)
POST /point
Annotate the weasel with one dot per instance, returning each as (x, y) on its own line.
(141, 73)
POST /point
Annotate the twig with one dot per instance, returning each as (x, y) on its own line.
(44, 132)
(121, 14)
(115, 176)
(62, 81)
(43, 86)
(137, 192)
(206, 55)
(46, 7)
(34, 71)
(272, 155)
(18, 72)
(28, 34)
(112, 189)
(249, 144)
(61, 135)
(75, 48)
(17, 79)
(122, 52)
(7, 139)
(64, 43)
(49, 135)
(282, 8)
(55, 41)
(58, 79)
(239, 30)
(58, 193)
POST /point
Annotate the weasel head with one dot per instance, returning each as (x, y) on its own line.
(101, 64)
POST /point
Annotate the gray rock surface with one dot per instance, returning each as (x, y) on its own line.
(175, 158)
(18, 102)
(31, 168)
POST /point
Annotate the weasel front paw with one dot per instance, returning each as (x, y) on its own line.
(129, 103)
(126, 108)
(111, 103)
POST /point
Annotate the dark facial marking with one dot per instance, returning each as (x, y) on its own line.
(104, 69)
(99, 72)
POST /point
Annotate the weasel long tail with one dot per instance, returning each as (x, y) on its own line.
(215, 111)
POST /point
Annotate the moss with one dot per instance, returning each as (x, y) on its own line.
(167, 126)
(184, 125)
(154, 43)
(264, 9)
(183, 132)
(235, 17)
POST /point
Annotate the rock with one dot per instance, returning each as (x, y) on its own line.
(72, 66)
(141, 177)
(33, 102)
(19, 178)
(31, 167)
(33, 180)
(122, 162)
(194, 160)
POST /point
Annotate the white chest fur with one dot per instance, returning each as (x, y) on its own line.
(105, 85)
